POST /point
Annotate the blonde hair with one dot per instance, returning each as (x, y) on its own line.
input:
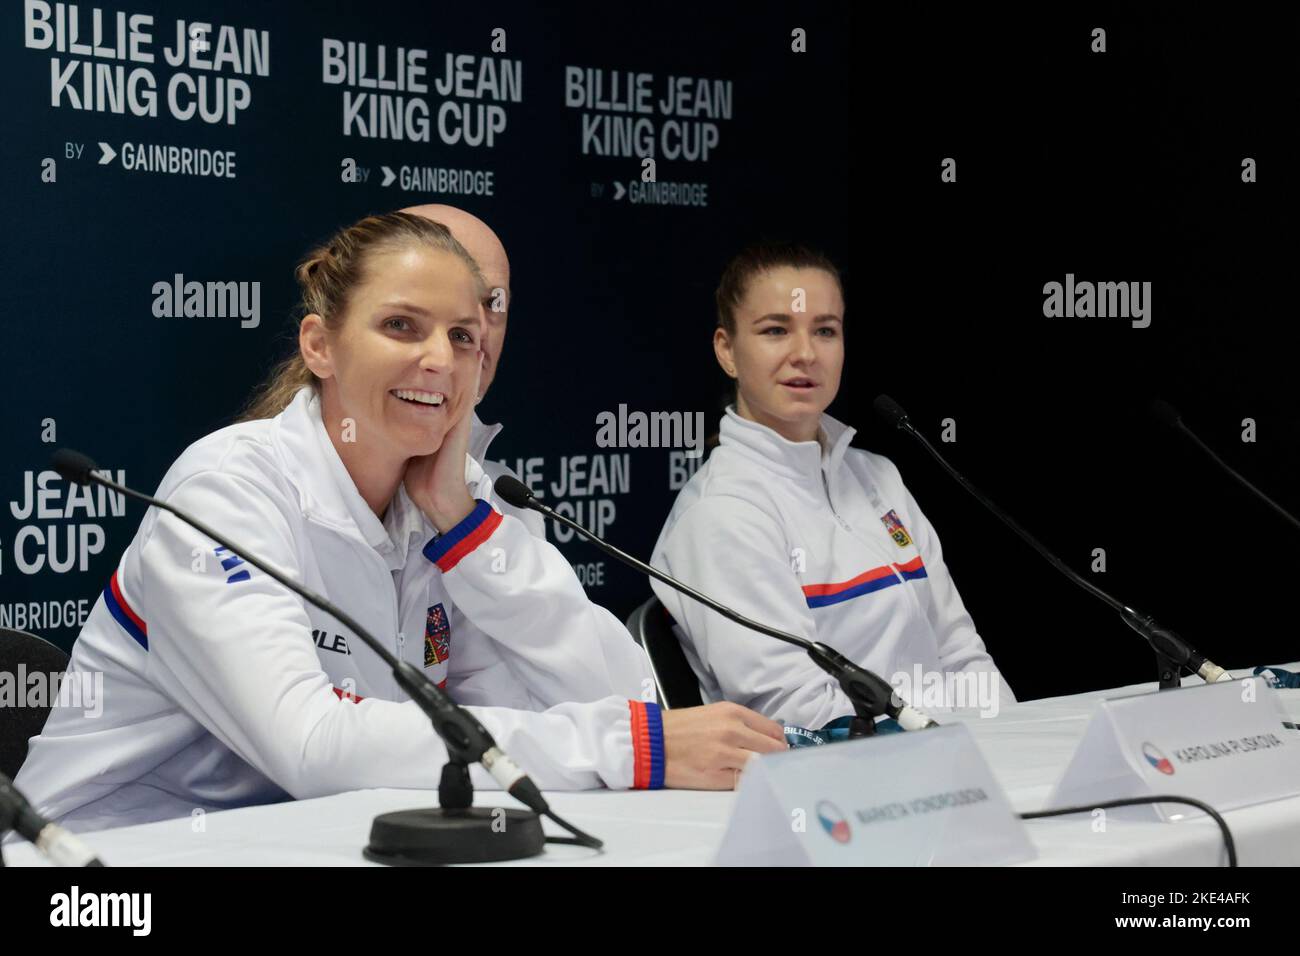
(326, 278)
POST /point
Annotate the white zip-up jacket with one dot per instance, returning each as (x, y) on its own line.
(222, 688)
(823, 541)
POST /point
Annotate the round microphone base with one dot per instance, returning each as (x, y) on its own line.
(437, 837)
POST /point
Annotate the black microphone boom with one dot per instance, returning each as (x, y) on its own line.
(871, 694)
(467, 740)
(58, 845)
(1172, 652)
(1163, 412)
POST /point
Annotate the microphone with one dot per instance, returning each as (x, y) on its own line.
(467, 740)
(57, 845)
(1166, 414)
(1172, 652)
(871, 694)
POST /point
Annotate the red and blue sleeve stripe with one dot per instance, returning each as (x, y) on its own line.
(446, 550)
(131, 622)
(647, 745)
(822, 595)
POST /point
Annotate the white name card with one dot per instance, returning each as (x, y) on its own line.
(913, 799)
(1223, 744)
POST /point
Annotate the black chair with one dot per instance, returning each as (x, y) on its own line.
(20, 724)
(652, 627)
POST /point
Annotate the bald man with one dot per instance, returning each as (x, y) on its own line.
(482, 243)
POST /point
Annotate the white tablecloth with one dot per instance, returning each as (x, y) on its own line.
(1027, 745)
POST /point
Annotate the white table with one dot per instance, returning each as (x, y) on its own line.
(1028, 747)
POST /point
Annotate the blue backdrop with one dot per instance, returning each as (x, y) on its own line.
(159, 144)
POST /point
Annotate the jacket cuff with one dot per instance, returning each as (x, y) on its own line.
(647, 745)
(445, 550)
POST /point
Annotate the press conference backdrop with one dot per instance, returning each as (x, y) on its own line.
(954, 166)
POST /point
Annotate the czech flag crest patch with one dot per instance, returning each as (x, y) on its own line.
(437, 636)
(894, 527)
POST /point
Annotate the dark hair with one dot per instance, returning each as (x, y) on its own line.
(753, 260)
(757, 258)
(326, 278)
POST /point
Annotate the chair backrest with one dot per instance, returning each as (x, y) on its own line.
(652, 627)
(23, 654)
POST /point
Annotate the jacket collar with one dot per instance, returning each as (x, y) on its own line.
(326, 492)
(796, 460)
(480, 436)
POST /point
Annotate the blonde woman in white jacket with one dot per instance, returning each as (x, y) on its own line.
(790, 526)
(350, 473)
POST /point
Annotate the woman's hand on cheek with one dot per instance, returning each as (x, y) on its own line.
(436, 483)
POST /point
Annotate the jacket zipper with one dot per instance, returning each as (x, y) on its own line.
(397, 616)
(826, 486)
(397, 611)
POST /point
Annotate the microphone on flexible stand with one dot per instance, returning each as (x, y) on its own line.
(1172, 652)
(1166, 414)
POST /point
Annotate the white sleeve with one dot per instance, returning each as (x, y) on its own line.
(239, 659)
(521, 592)
(960, 646)
(739, 556)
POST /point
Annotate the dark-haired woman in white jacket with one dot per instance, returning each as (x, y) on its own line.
(791, 526)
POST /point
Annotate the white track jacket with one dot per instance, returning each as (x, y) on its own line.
(224, 689)
(823, 541)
